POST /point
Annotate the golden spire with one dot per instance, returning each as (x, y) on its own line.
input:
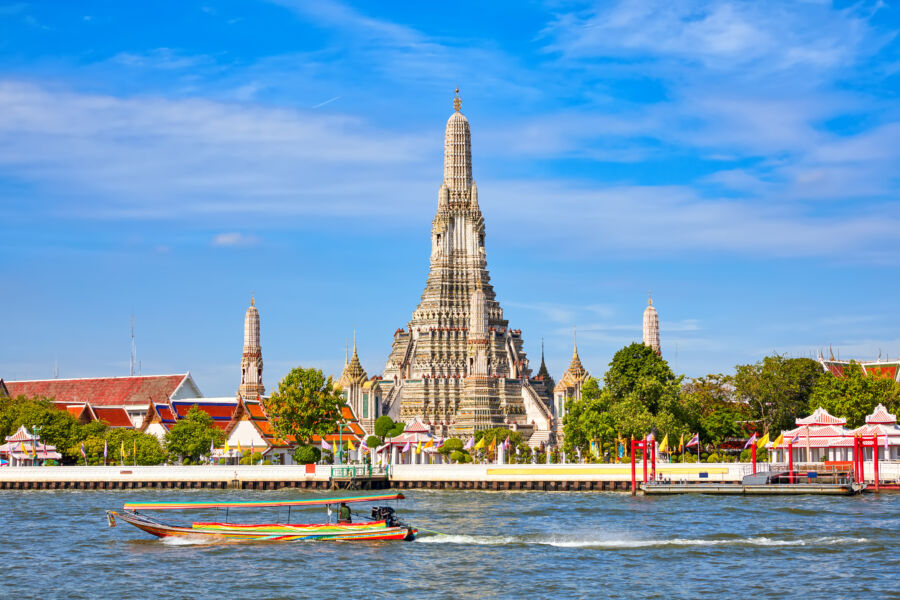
(457, 103)
(649, 299)
(252, 300)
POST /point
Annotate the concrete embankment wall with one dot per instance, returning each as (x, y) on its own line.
(552, 477)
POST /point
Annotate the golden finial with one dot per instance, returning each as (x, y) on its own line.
(649, 299)
(457, 103)
(252, 300)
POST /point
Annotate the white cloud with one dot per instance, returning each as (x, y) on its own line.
(234, 239)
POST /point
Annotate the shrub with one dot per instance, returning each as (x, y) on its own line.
(307, 455)
(384, 425)
(373, 441)
(452, 445)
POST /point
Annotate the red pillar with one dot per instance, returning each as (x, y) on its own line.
(875, 458)
(653, 460)
(644, 457)
(791, 462)
(633, 478)
(753, 456)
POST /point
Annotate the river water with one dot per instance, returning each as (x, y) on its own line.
(56, 544)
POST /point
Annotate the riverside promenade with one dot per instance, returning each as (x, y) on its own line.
(554, 477)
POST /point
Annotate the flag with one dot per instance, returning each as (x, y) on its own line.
(649, 437)
(493, 445)
(122, 451)
(419, 448)
(681, 444)
(430, 443)
(695, 441)
(886, 447)
(506, 443)
(778, 441)
(350, 445)
(664, 445)
(135, 450)
(761, 443)
(104, 450)
(241, 452)
(325, 445)
(211, 448)
(751, 441)
(82, 451)
(363, 445)
(469, 444)
(227, 449)
(795, 439)
(406, 446)
(479, 445)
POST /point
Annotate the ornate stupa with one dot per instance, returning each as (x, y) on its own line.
(651, 326)
(426, 373)
(569, 388)
(251, 357)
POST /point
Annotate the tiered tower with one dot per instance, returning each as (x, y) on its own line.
(360, 393)
(251, 358)
(651, 326)
(430, 361)
(568, 389)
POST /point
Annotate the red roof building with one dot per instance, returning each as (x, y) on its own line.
(133, 394)
(872, 368)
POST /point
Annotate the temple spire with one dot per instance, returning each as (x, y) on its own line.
(457, 151)
(251, 357)
(457, 103)
(651, 326)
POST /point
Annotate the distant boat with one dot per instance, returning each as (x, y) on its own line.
(384, 524)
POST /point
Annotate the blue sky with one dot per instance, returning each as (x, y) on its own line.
(168, 159)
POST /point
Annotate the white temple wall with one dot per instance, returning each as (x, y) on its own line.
(245, 433)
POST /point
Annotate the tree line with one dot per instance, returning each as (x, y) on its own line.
(640, 394)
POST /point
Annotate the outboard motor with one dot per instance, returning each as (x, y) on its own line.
(385, 513)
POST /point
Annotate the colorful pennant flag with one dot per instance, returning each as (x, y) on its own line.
(325, 445)
(429, 443)
(664, 445)
(479, 445)
(694, 441)
(493, 446)
(406, 447)
(350, 445)
(761, 443)
(779, 441)
(469, 444)
(751, 441)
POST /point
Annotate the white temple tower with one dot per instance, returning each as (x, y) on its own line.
(651, 326)
(251, 358)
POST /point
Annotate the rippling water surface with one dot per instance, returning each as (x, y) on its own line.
(56, 544)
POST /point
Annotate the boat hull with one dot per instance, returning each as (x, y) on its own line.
(273, 532)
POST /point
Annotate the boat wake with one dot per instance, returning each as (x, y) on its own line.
(617, 544)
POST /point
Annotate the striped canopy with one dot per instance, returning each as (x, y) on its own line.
(257, 504)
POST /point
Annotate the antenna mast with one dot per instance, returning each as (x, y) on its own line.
(132, 345)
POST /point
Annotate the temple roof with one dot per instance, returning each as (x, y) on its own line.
(114, 417)
(881, 416)
(21, 435)
(353, 374)
(574, 375)
(220, 409)
(821, 417)
(100, 391)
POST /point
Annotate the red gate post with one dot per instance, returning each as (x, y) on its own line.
(857, 461)
(633, 478)
(653, 459)
(791, 462)
(753, 456)
(644, 457)
(875, 459)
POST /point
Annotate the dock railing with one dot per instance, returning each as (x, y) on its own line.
(351, 471)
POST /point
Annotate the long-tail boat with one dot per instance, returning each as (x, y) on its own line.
(384, 524)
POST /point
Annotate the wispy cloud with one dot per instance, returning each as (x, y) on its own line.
(234, 239)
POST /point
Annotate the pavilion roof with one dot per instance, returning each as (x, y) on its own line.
(21, 435)
(101, 391)
(821, 417)
(220, 409)
(881, 416)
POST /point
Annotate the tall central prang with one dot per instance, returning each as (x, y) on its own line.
(456, 382)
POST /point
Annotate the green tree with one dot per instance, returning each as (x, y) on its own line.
(633, 365)
(149, 449)
(57, 427)
(192, 436)
(305, 405)
(855, 395)
(383, 426)
(451, 445)
(373, 441)
(307, 455)
(777, 389)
